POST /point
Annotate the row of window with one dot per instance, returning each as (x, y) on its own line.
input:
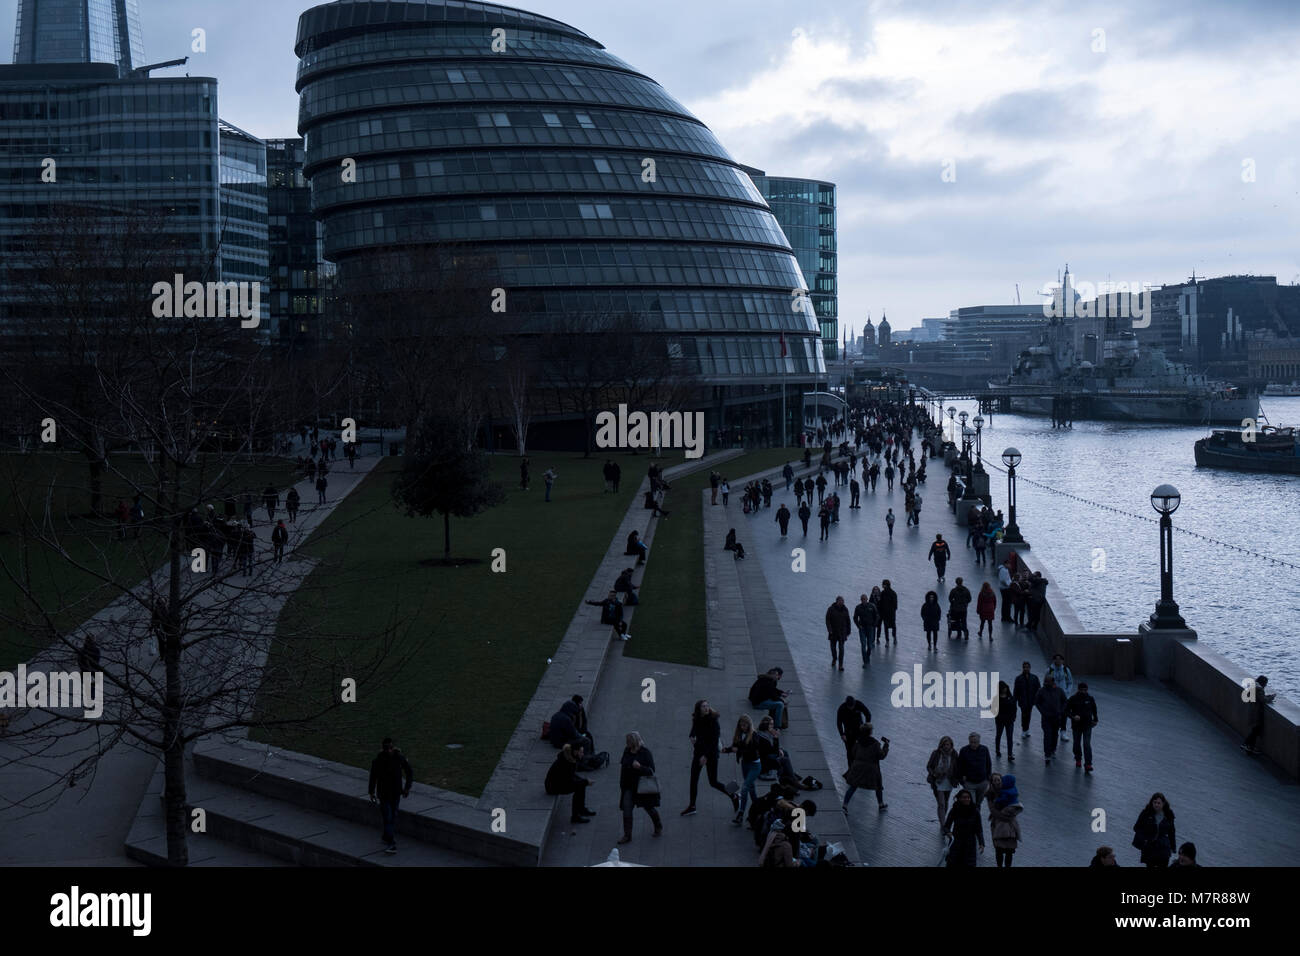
(564, 217)
(796, 190)
(513, 172)
(69, 141)
(372, 48)
(444, 127)
(515, 82)
(143, 99)
(670, 308)
(124, 174)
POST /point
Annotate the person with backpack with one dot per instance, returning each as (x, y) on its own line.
(1004, 820)
(931, 615)
(391, 778)
(939, 553)
(867, 618)
(279, 537)
(291, 503)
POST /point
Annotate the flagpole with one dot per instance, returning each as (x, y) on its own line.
(783, 425)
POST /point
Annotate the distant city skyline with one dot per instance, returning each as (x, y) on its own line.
(1135, 145)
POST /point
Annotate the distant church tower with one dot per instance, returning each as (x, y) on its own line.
(883, 334)
(869, 336)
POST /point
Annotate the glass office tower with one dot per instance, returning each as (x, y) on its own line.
(300, 276)
(805, 208)
(587, 187)
(79, 31)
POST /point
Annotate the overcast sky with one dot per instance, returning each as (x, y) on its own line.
(1123, 152)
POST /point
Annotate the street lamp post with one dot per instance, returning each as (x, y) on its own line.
(1165, 500)
(1011, 533)
(979, 442)
(952, 413)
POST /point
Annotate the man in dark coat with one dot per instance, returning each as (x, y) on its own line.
(563, 778)
(1051, 705)
(783, 518)
(959, 599)
(391, 777)
(849, 718)
(867, 618)
(611, 609)
(1025, 692)
(1081, 710)
(888, 611)
(838, 627)
(974, 767)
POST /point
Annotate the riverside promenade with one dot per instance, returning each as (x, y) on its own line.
(1238, 811)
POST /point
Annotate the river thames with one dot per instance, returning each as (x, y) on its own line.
(1106, 561)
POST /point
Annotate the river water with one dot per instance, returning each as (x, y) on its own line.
(1107, 563)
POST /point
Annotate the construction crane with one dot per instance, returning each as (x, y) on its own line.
(1017, 293)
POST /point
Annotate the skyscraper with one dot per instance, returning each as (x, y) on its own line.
(79, 31)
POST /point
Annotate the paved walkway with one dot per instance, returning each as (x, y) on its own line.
(1236, 810)
(42, 820)
(744, 632)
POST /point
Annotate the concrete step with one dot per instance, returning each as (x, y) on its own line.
(246, 828)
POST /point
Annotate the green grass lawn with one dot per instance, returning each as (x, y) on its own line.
(49, 493)
(473, 644)
(669, 625)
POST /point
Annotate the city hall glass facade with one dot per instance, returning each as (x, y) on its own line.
(536, 156)
(79, 31)
(805, 208)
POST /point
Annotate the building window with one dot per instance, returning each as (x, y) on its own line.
(602, 165)
(552, 119)
(584, 121)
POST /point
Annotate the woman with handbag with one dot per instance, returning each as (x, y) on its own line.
(1153, 833)
(638, 785)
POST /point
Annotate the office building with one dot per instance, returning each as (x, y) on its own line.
(79, 31)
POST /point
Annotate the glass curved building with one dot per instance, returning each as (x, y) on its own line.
(586, 186)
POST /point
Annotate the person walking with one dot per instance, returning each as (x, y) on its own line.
(1081, 711)
(706, 731)
(939, 553)
(889, 523)
(974, 765)
(636, 766)
(1004, 721)
(958, 602)
(321, 484)
(1004, 585)
(931, 615)
(549, 477)
(744, 744)
(889, 476)
(981, 548)
(824, 516)
(967, 831)
(271, 500)
(715, 480)
(725, 488)
(864, 772)
(391, 778)
(855, 493)
(804, 514)
(821, 488)
(1025, 692)
(916, 510)
(1051, 703)
(1064, 680)
(1036, 599)
(838, 627)
(788, 474)
(292, 501)
(279, 537)
(849, 718)
(783, 518)
(867, 618)
(563, 778)
(1153, 834)
(986, 606)
(1004, 820)
(1259, 702)
(1019, 593)
(888, 605)
(942, 775)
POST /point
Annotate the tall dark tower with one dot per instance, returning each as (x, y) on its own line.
(883, 332)
(79, 31)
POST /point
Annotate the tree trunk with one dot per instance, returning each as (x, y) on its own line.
(173, 727)
(446, 535)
